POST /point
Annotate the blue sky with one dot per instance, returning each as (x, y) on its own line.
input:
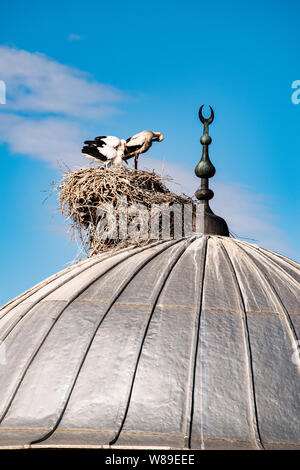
(74, 70)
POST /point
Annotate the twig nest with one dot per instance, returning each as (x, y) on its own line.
(83, 191)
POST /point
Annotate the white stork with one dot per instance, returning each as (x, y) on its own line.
(112, 150)
(108, 149)
(140, 143)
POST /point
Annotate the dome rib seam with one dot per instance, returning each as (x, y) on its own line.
(27, 294)
(87, 263)
(111, 303)
(75, 296)
(270, 260)
(195, 345)
(288, 261)
(41, 299)
(284, 312)
(162, 281)
(248, 351)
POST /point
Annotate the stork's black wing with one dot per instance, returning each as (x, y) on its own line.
(131, 151)
(134, 145)
(91, 151)
(104, 140)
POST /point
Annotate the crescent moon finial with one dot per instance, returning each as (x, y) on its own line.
(206, 120)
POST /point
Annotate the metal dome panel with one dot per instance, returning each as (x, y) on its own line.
(182, 343)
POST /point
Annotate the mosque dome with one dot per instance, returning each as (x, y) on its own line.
(179, 343)
(188, 343)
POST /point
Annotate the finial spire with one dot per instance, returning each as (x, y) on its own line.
(210, 223)
(205, 168)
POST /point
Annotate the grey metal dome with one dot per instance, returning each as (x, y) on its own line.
(180, 343)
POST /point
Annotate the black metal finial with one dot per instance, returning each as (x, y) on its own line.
(205, 168)
(209, 223)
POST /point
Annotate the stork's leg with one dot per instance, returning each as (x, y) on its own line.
(136, 162)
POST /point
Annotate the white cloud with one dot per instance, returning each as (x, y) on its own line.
(38, 84)
(61, 102)
(75, 37)
(54, 140)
